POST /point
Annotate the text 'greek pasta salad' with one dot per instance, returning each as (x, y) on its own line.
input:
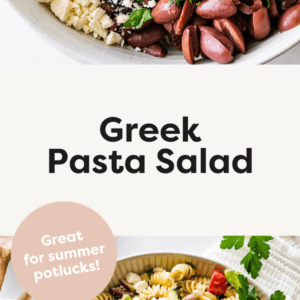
(182, 283)
(215, 29)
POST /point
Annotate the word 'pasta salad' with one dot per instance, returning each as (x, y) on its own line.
(182, 283)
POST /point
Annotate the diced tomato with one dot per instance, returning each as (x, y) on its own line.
(219, 284)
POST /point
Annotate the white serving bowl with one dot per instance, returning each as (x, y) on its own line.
(141, 262)
(87, 50)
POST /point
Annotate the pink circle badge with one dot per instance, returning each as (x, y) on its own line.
(64, 251)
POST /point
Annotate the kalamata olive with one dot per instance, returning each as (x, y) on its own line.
(157, 50)
(127, 285)
(198, 21)
(248, 7)
(215, 45)
(146, 37)
(191, 44)
(113, 27)
(230, 30)
(216, 9)
(177, 41)
(289, 19)
(164, 13)
(260, 25)
(115, 291)
(169, 27)
(285, 4)
(145, 24)
(273, 10)
(240, 20)
(108, 8)
(185, 17)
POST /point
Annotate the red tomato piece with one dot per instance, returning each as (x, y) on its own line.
(219, 284)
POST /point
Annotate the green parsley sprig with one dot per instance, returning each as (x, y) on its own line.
(259, 249)
(248, 292)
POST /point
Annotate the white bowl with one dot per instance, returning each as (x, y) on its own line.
(139, 263)
(87, 50)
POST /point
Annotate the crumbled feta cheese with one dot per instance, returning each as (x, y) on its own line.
(151, 3)
(106, 21)
(121, 18)
(86, 29)
(73, 21)
(61, 8)
(83, 21)
(127, 3)
(85, 10)
(138, 49)
(133, 278)
(113, 38)
(140, 286)
(84, 2)
(136, 6)
(97, 14)
(96, 26)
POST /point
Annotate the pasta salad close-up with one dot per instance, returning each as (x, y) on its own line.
(182, 283)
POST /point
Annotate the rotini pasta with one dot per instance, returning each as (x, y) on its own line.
(145, 277)
(181, 283)
(231, 294)
(104, 296)
(157, 291)
(181, 271)
(197, 283)
(162, 277)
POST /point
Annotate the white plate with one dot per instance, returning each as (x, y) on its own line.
(139, 263)
(87, 50)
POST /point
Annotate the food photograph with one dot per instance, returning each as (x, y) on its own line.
(247, 32)
(191, 268)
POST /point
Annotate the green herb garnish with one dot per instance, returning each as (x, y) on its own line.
(138, 18)
(259, 249)
(149, 272)
(278, 295)
(230, 241)
(246, 291)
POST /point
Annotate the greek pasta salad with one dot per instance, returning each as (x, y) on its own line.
(182, 283)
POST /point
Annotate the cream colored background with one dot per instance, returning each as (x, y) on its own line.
(64, 107)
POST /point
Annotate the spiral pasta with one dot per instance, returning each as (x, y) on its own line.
(156, 291)
(197, 283)
(231, 294)
(183, 282)
(181, 271)
(210, 296)
(162, 277)
(104, 296)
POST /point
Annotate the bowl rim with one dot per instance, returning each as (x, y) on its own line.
(64, 49)
(203, 257)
